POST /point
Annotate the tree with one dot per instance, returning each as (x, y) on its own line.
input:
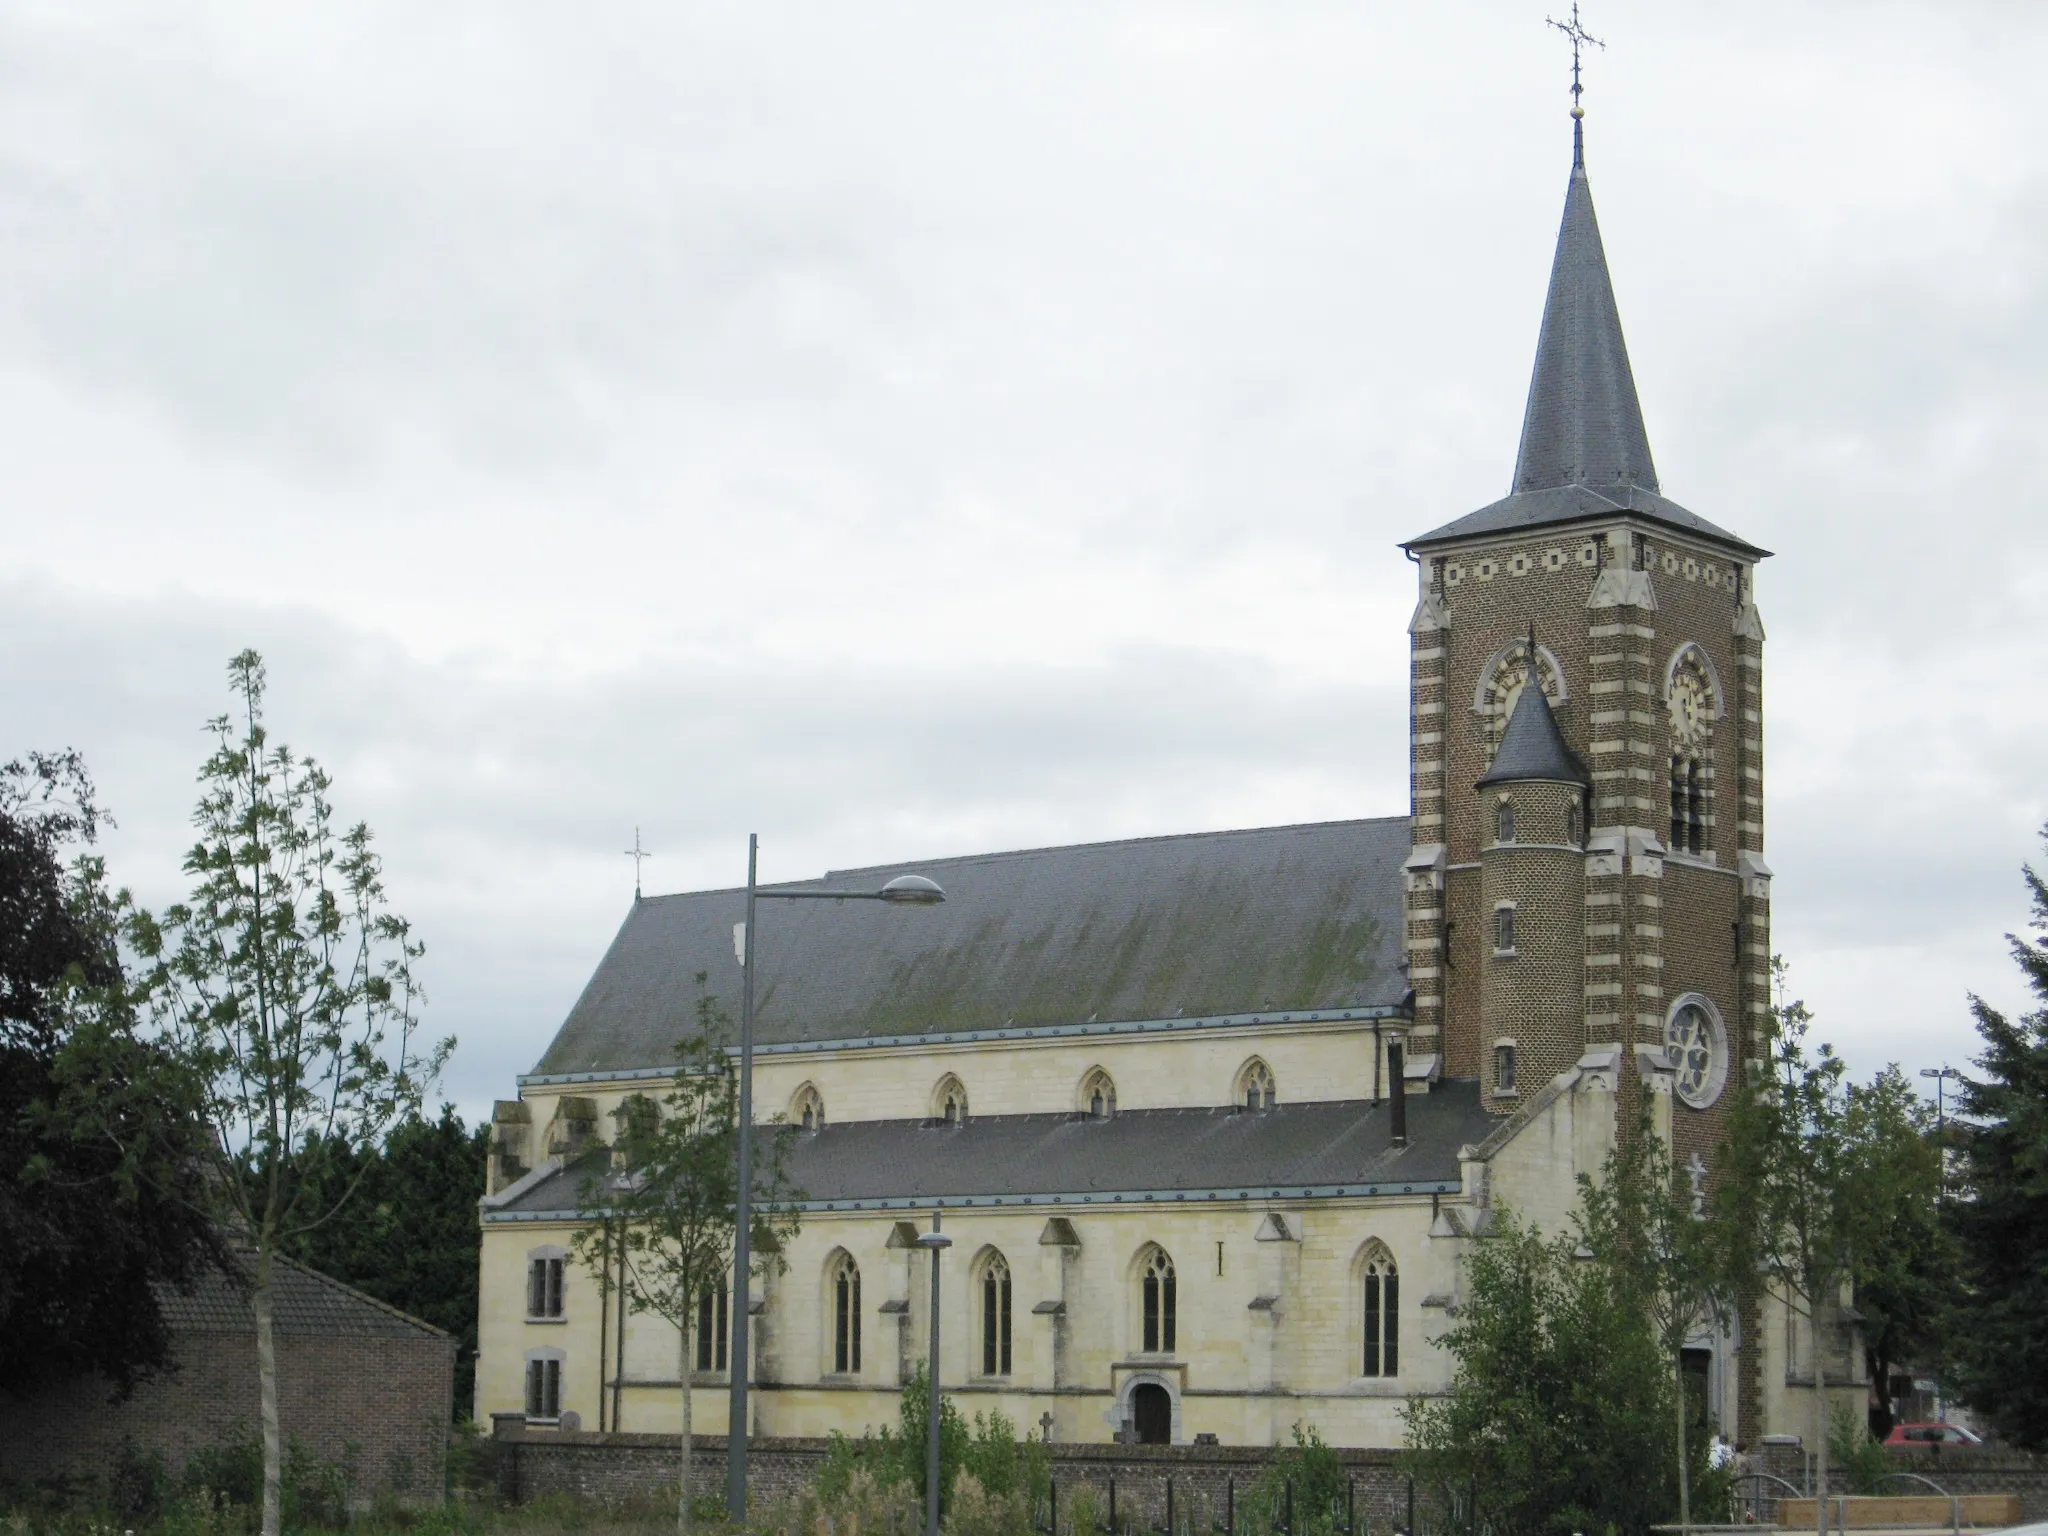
(1676, 1266)
(97, 1208)
(408, 1235)
(1907, 1268)
(1819, 1176)
(1999, 1361)
(284, 986)
(1554, 1418)
(671, 1200)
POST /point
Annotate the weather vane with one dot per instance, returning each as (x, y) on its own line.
(636, 853)
(1580, 37)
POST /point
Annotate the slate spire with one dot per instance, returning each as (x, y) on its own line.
(1583, 425)
(1532, 747)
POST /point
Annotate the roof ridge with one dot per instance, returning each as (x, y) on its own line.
(323, 1278)
(957, 859)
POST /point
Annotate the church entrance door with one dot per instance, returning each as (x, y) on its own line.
(1152, 1414)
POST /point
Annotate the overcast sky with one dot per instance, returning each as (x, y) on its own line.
(918, 429)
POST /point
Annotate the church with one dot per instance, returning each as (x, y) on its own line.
(1212, 1119)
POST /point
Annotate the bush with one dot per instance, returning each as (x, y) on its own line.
(1316, 1473)
(1860, 1463)
(979, 1511)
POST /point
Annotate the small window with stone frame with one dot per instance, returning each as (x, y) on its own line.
(1504, 822)
(544, 1286)
(1504, 930)
(544, 1389)
(1504, 1067)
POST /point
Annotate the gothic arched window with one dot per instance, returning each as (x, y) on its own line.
(1382, 1298)
(714, 1327)
(843, 1290)
(1156, 1303)
(1255, 1085)
(1098, 1095)
(995, 1316)
(949, 1101)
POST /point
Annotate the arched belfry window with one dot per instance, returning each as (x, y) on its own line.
(807, 1109)
(949, 1101)
(842, 1289)
(995, 1316)
(1098, 1095)
(1692, 701)
(1381, 1288)
(1156, 1303)
(1255, 1085)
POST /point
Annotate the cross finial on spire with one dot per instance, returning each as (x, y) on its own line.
(637, 854)
(1580, 37)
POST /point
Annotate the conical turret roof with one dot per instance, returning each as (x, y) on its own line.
(1584, 451)
(1532, 747)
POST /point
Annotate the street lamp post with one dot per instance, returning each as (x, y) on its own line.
(1942, 1076)
(935, 1243)
(904, 890)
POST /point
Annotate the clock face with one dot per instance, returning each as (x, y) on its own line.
(1692, 709)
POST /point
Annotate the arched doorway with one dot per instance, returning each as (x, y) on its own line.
(1152, 1414)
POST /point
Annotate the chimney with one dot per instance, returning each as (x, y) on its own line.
(1397, 1098)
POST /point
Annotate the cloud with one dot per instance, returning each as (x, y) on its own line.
(906, 433)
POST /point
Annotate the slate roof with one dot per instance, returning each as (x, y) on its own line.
(304, 1301)
(1223, 1153)
(1584, 451)
(1532, 747)
(1271, 919)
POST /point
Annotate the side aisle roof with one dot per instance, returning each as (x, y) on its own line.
(1276, 918)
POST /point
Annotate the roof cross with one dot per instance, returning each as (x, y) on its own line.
(637, 854)
(1580, 37)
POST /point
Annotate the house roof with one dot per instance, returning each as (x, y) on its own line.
(1532, 747)
(304, 1301)
(1217, 923)
(1220, 1153)
(1584, 451)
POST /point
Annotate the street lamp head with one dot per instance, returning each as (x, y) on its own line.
(934, 1240)
(913, 891)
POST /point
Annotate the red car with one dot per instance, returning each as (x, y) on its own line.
(1931, 1434)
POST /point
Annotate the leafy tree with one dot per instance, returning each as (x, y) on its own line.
(1820, 1176)
(671, 1200)
(284, 986)
(1676, 1266)
(1999, 1361)
(1907, 1269)
(408, 1235)
(1556, 1412)
(98, 1209)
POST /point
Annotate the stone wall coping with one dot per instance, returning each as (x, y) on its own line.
(1063, 1452)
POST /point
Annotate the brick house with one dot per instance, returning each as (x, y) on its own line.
(359, 1383)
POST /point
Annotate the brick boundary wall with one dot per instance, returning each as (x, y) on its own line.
(607, 1468)
(1958, 1469)
(379, 1404)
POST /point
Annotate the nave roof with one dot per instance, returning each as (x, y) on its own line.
(1215, 923)
(1289, 1151)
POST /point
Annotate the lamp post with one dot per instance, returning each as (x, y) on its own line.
(935, 1243)
(1942, 1076)
(904, 890)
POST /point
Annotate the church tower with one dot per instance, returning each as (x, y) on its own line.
(1586, 755)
